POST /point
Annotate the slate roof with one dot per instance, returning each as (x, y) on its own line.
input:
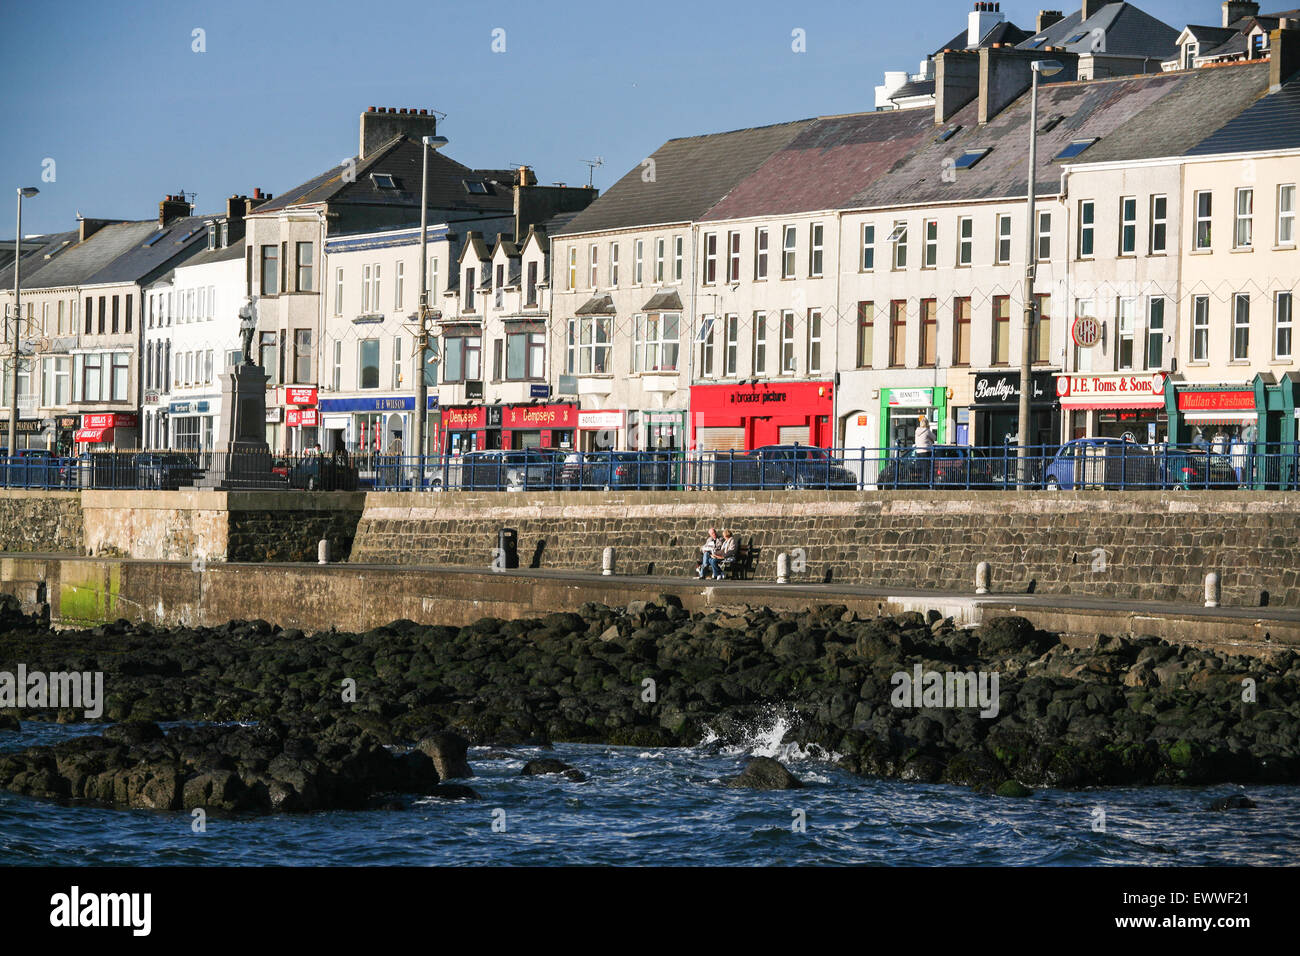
(913, 88)
(1210, 34)
(827, 163)
(1128, 31)
(143, 260)
(690, 175)
(1002, 32)
(35, 252)
(1272, 122)
(78, 263)
(233, 251)
(1133, 117)
(1234, 47)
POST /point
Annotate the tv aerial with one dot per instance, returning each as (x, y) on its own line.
(592, 165)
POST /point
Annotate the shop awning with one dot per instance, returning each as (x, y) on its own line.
(1220, 418)
(104, 433)
(600, 305)
(668, 301)
(1111, 404)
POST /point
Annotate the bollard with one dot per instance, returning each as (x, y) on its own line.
(1212, 589)
(323, 551)
(983, 573)
(607, 561)
(782, 568)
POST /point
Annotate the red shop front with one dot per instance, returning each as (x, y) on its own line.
(539, 426)
(464, 429)
(768, 413)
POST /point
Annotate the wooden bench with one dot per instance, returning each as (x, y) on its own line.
(741, 566)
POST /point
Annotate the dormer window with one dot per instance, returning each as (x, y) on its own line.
(476, 187)
(383, 181)
(1189, 54)
(225, 234)
(212, 235)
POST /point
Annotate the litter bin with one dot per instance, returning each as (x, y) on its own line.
(507, 555)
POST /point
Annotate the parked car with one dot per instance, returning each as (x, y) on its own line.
(280, 465)
(30, 468)
(943, 466)
(167, 470)
(782, 466)
(508, 470)
(1197, 467)
(602, 470)
(1103, 463)
(323, 473)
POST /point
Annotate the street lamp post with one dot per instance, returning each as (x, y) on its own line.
(1037, 68)
(422, 336)
(24, 192)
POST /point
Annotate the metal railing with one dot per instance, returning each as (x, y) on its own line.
(1087, 464)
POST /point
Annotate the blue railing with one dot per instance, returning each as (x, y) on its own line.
(1088, 464)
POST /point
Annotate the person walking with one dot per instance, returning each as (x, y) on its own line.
(922, 442)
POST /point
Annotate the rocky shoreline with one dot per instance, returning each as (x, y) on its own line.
(340, 720)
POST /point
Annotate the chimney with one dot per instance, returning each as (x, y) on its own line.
(88, 227)
(527, 177)
(1234, 10)
(1092, 6)
(1283, 58)
(956, 82)
(380, 125)
(981, 20)
(1046, 18)
(1005, 75)
(172, 208)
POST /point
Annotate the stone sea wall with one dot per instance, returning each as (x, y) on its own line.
(48, 522)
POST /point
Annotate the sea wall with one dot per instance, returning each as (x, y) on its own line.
(47, 522)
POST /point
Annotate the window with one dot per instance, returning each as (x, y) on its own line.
(1204, 208)
(787, 252)
(433, 280)
(705, 339)
(1076, 146)
(1041, 332)
(613, 268)
(1001, 330)
(660, 245)
(365, 289)
(589, 345)
(897, 333)
(212, 236)
(965, 240)
(338, 291)
(525, 353)
(1159, 233)
(397, 361)
(816, 234)
(760, 254)
(1282, 324)
(207, 367)
(92, 377)
(115, 314)
(1243, 236)
(814, 357)
(638, 261)
(127, 315)
(961, 331)
(931, 243)
(302, 373)
(1240, 327)
(970, 158)
(121, 376)
(710, 258)
(733, 257)
(469, 284)
(899, 238)
(266, 355)
(103, 313)
(462, 358)
(56, 382)
(1004, 240)
(573, 268)
(1044, 251)
(1128, 217)
(304, 267)
(760, 343)
(368, 363)
(270, 269)
(1200, 328)
(336, 377)
(530, 289)
(1087, 227)
(868, 247)
(1127, 311)
(399, 285)
(655, 343)
(679, 245)
(929, 333)
(1155, 332)
(732, 357)
(1286, 214)
(787, 341)
(866, 334)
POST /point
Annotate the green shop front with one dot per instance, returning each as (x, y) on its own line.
(900, 407)
(1257, 423)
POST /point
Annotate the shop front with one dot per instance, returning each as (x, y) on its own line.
(65, 427)
(1257, 423)
(660, 429)
(192, 422)
(1131, 407)
(363, 426)
(302, 417)
(1215, 415)
(464, 429)
(539, 426)
(742, 417)
(995, 408)
(901, 407)
(600, 429)
(29, 432)
(106, 431)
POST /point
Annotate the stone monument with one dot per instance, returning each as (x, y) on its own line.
(241, 458)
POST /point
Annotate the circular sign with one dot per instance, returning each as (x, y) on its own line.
(1158, 383)
(1063, 386)
(1086, 332)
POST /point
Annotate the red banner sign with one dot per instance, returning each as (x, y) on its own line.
(109, 420)
(300, 395)
(1216, 401)
(541, 416)
(306, 417)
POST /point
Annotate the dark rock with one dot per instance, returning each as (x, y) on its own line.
(548, 765)
(1012, 788)
(448, 751)
(764, 773)
(454, 791)
(133, 732)
(1238, 801)
(9, 722)
(1008, 636)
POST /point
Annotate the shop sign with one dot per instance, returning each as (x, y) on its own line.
(305, 417)
(462, 417)
(600, 419)
(387, 404)
(662, 418)
(474, 389)
(493, 416)
(300, 395)
(1216, 401)
(188, 408)
(152, 398)
(862, 421)
(1004, 388)
(1120, 389)
(273, 414)
(109, 420)
(67, 421)
(25, 426)
(910, 397)
(539, 416)
(1086, 331)
(539, 391)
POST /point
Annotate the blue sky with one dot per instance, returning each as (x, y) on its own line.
(115, 95)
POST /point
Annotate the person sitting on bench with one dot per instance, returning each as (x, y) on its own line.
(725, 555)
(708, 560)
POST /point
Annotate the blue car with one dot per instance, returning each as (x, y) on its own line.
(1103, 463)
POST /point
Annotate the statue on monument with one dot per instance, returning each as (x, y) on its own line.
(247, 328)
